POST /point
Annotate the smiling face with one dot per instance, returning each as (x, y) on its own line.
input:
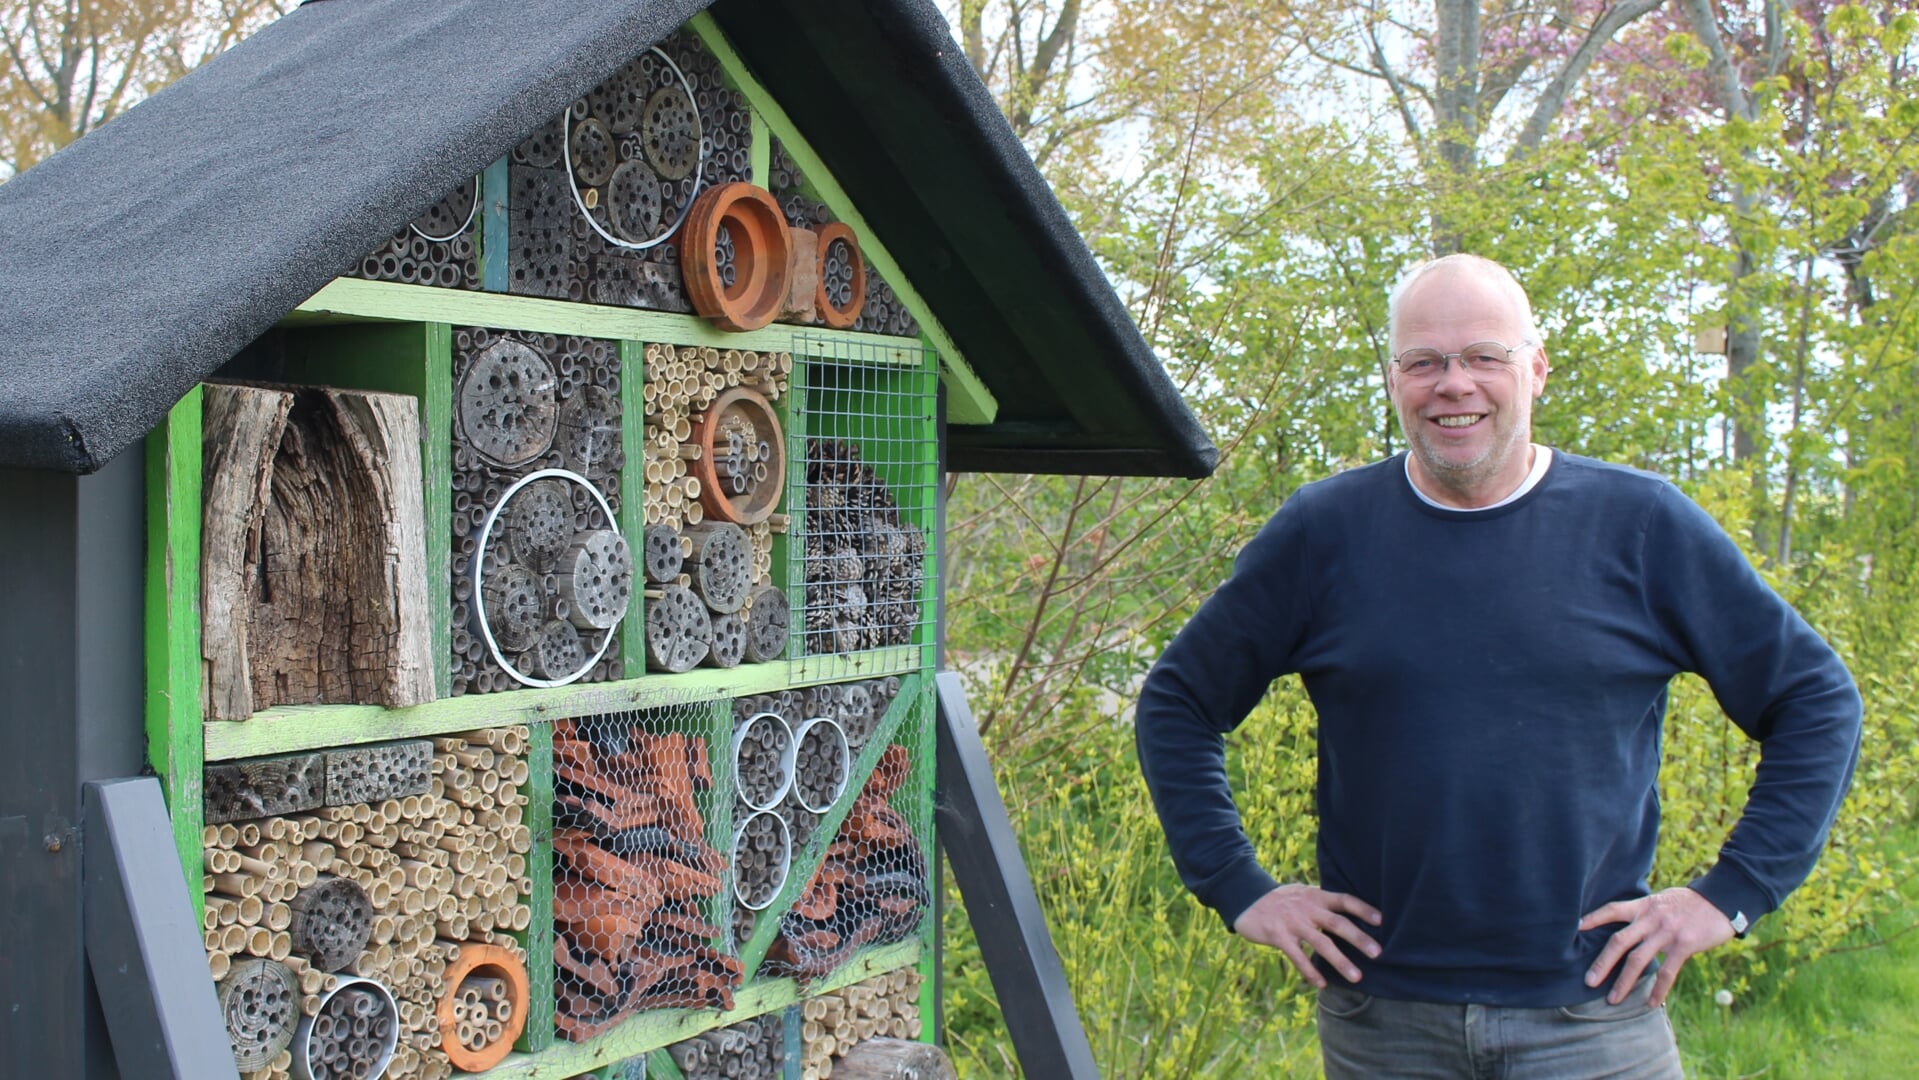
(1470, 440)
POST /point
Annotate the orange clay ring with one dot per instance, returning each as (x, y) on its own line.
(485, 962)
(742, 488)
(758, 240)
(840, 318)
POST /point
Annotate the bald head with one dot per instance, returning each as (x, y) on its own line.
(1454, 267)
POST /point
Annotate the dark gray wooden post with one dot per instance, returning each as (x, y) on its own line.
(1028, 979)
(70, 711)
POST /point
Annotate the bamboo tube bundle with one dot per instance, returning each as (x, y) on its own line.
(752, 1049)
(681, 382)
(436, 248)
(870, 888)
(398, 871)
(884, 1006)
(633, 872)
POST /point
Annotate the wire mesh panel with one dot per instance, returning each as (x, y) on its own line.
(595, 193)
(348, 934)
(752, 1049)
(637, 876)
(868, 500)
(440, 247)
(872, 883)
(542, 575)
(715, 481)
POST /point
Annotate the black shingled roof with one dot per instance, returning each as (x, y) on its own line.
(139, 259)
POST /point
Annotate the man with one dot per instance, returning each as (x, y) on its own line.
(1486, 628)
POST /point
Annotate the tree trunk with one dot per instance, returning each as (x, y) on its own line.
(314, 557)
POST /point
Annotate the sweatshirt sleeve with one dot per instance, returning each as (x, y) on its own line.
(1207, 681)
(1777, 680)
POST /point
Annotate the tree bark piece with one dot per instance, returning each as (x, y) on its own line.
(315, 585)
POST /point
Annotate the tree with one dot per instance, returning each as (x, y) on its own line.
(72, 65)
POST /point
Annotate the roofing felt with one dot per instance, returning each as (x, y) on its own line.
(136, 261)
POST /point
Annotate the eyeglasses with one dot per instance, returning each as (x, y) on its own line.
(1482, 360)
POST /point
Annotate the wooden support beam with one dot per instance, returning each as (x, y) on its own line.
(1014, 941)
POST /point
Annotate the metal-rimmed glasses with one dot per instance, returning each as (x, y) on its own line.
(1482, 360)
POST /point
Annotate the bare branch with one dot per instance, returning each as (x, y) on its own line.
(1553, 99)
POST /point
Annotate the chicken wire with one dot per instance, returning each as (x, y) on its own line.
(867, 497)
(868, 884)
(638, 879)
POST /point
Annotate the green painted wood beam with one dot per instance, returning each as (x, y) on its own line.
(289, 728)
(353, 300)
(969, 401)
(632, 523)
(538, 937)
(650, 1031)
(172, 616)
(762, 151)
(805, 863)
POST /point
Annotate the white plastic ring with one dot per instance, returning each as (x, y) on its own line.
(479, 565)
(699, 168)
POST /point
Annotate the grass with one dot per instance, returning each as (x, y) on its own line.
(1849, 1014)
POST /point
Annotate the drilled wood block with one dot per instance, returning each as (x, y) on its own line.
(364, 774)
(266, 787)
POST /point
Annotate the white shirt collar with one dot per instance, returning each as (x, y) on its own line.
(1542, 457)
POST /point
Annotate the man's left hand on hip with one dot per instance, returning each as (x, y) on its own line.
(1677, 922)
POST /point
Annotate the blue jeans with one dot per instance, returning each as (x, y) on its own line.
(1362, 1037)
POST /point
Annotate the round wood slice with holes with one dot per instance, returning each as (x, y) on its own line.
(332, 919)
(663, 555)
(678, 630)
(721, 564)
(596, 579)
(742, 463)
(768, 619)
(507, 404)
(729, 642)
(260, 1002)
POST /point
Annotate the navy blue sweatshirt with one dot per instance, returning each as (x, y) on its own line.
(1490, 688)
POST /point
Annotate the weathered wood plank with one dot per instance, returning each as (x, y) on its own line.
(240, 437)
(315, 573)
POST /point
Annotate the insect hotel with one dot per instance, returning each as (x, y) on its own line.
(473, 482)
